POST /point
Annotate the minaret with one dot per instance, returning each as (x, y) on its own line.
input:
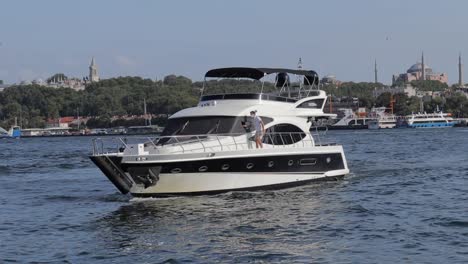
(93, 74)
(460, 71)
(375, 72)
(423, 74)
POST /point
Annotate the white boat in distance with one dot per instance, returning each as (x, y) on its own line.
(384, 120)
(348, 119)
(208, 148)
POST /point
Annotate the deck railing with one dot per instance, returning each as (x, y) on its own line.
(210, 142)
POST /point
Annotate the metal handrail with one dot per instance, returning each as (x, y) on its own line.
(273, 140)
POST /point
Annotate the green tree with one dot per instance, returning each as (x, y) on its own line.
(429, 85)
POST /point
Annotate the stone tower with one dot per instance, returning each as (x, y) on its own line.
(460, 71)
(423, 68)
(93, 74)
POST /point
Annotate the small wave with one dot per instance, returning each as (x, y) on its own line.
(454, 223)
(62, 198)
(112, 198)
(169, 261)
(358, 209)
(4, 169)
(66, 166)
(146, 199)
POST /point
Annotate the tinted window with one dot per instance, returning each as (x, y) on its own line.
(314, 104)
(202, 125)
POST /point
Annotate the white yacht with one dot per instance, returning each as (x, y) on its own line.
(209, 148)
(428, 120)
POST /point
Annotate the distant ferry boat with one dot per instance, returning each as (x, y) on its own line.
(425, 120)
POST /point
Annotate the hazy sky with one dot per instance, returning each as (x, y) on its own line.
(157, 38)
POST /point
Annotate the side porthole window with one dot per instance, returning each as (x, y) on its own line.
(203, 168)
(290, 162)
(176, 170)
(308, 162)
(225, 167)
(249, 166)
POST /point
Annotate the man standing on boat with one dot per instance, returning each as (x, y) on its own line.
(259, 129)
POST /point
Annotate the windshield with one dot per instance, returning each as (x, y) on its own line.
(206, 125)
(209, 125)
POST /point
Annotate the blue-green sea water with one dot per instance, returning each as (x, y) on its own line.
(406, 201)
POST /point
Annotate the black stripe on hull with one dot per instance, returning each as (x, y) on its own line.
(308, 163)
(256, 188)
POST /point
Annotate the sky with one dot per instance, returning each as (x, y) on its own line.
(155, 38)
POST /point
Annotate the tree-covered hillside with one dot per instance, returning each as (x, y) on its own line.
(122, 96)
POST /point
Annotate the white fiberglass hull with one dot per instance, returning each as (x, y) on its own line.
(208, 183)
(222, 172)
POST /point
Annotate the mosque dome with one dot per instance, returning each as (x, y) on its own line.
(418, 68)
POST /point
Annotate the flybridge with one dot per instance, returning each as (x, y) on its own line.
(259, 73)
(305, 86)
(252, 96)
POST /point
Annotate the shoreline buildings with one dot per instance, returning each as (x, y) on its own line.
(61, 81)
(402, 83)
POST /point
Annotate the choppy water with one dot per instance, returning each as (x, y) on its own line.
(406, 201)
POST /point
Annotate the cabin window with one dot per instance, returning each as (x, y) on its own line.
(176, 170)
(283, 134)
(205, 125)
(312, 104)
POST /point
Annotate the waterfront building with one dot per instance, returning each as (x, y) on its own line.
(330, 79)
(407, 89)
(3, 87)
(77, 84)
(419, 71)
(64, 82)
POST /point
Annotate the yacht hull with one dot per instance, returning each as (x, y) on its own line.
(217, 174)
(213, 183)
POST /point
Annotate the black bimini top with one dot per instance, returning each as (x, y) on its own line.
(258, 73)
